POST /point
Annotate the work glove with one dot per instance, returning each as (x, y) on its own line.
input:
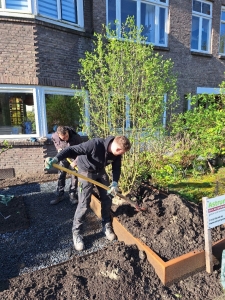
(113, 188)
(50, 161)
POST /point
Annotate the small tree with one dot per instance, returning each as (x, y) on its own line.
(127, 81)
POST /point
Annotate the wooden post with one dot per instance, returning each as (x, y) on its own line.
(208, 238)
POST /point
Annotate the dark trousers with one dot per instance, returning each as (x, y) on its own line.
(62, 179)
(85, 189)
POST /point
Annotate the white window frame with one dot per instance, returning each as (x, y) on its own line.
(202, 16)
(40, 107)
(32, 12)
(222, 22)
(158, 4)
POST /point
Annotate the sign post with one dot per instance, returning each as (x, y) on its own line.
(208, 238)
(214, 215)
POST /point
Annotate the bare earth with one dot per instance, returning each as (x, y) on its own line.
(170, 226)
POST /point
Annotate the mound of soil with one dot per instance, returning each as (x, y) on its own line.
(170, 226)
(114, 273)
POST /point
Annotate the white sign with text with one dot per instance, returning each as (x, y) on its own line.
(215, 210)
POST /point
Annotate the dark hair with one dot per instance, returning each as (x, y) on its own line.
(123, 142)
(62, 130)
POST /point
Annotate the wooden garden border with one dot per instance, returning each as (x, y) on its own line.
(169, 271)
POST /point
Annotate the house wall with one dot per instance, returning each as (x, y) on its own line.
(18, 52)
(192, 69)
(40, 53)
(27, 158)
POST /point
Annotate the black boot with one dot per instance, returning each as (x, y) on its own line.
(58, 199)
(73, 198)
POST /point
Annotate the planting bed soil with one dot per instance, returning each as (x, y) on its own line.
(117, 271)
(170, 225)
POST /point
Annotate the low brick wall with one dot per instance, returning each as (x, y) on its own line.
(27, 158)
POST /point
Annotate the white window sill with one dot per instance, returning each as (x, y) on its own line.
(29, 15)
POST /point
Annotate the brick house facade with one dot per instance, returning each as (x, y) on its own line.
(40, 56)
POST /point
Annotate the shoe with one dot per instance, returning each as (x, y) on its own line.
(73, 198)
(78, 242)
(109, 233)
(57, 200)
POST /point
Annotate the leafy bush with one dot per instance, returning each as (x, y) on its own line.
(127, 81)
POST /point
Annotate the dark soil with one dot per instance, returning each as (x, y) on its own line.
(170, 226)
(13, 216)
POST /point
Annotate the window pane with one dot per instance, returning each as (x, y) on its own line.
(195, 33)
(128, 8)
(196, 6)
(48, 8)
(17, 4)
(205, 35)
(162, 21)
(206, 8)
(112, 14)
(69, 11)
(61, 110)
(148, 21)
(223, 15)
(164, 1)
(222, 38)
(17, 115)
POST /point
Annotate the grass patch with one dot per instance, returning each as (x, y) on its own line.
(194, 188)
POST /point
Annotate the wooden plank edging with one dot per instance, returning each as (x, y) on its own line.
(169, 271)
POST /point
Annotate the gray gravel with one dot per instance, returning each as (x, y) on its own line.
(48, 240)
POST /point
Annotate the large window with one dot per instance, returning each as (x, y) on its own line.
(61, 10)
(222, 32)
(152, 15)
(201, 26)
(17, 115)
(33, 111)
(65, 12)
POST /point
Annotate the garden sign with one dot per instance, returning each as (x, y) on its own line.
(214, 215)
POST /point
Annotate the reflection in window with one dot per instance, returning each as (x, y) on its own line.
(17, 115)
(201, 26)
(112, 14)
(222, 31)
(62, 110)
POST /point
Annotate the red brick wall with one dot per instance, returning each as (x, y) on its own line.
(27, 158)
(58, 53)
(17, 52)
(36, 52)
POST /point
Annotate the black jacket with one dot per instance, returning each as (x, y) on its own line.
(74, 139)
(93, 156)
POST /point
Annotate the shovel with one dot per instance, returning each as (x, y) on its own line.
(137, 207)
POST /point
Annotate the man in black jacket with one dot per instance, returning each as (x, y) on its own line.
(64, 137)
(92, 157)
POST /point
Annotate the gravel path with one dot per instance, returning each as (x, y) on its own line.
(48, 240)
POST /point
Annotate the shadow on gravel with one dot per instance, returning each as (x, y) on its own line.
(21, 189)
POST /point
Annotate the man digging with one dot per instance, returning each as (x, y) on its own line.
(91, 158)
